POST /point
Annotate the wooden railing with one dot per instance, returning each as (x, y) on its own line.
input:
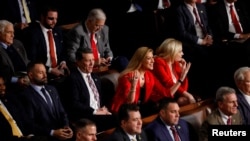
(201, 107)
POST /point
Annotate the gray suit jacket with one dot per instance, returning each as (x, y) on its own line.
(78, 38)
(215, 119)
(6, 65)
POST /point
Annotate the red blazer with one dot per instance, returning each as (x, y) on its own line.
(162, 73)
(153, 90)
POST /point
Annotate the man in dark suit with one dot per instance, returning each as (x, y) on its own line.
(37, 43)
(241, 79)
(44, 106)
(226, 113)
(13, 58)
(83, 101)
(234, 43)
(198, 46)
(18, 113)
(161, 128)
(130, 125)
(80, 35)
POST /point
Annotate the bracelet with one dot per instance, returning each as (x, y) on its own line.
(180, 81)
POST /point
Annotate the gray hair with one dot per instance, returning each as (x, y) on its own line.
(239, 73)
(223, 91)
(3, 24)
(97, 14)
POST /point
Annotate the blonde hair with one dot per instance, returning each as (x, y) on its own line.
(169, 48)
(137, 59)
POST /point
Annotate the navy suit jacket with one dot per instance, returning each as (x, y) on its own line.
(244, 108)
(220, 23)
(43, 119)
(7, 69)
(79, 95)
(120, 135)
(157, 131)
(185, 23)
(35, 43)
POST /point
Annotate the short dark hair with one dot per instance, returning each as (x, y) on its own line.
(164, 102)
(31, 65)
(82, 123)
(123, 112)
(80, 51)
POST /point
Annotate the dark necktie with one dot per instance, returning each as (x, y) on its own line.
(52, 51)
(175, 133)
(94, 89)
(234, 20)
(48, 101)
(229, 121)
(93, 46)
(197, 20)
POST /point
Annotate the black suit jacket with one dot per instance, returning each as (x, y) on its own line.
(43, 119)
(220, 23)
(185, 23)
(120, 135)
(10, 10)
(35, 43)
(18, 113)
(6, 65)
(79, 96)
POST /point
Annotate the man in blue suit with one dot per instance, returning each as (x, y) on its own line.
(161, 128)
(44, 107)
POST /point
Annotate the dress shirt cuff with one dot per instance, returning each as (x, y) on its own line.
(49, 70)
(199, 42)
(51, 132)
(236, 36)
(14, 79)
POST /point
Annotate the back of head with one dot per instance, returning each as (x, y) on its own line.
(119, 63)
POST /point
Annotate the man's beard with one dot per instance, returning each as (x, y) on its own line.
(41, 81)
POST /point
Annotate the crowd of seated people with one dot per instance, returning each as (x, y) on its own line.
(155, 60)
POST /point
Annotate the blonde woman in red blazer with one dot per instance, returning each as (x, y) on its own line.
(137, 84)
(169, 67)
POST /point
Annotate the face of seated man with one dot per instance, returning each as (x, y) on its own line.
(133, 124)
(87, 62)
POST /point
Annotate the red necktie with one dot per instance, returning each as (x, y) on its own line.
(93, 45)
(94, 89)
(235, 21)
(166, 3)
(52, 49)
(229, 121)
(175, 133)
(197, 20)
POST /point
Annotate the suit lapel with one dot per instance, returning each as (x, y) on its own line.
(42, 101)
(19, 53)
(6, 57)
